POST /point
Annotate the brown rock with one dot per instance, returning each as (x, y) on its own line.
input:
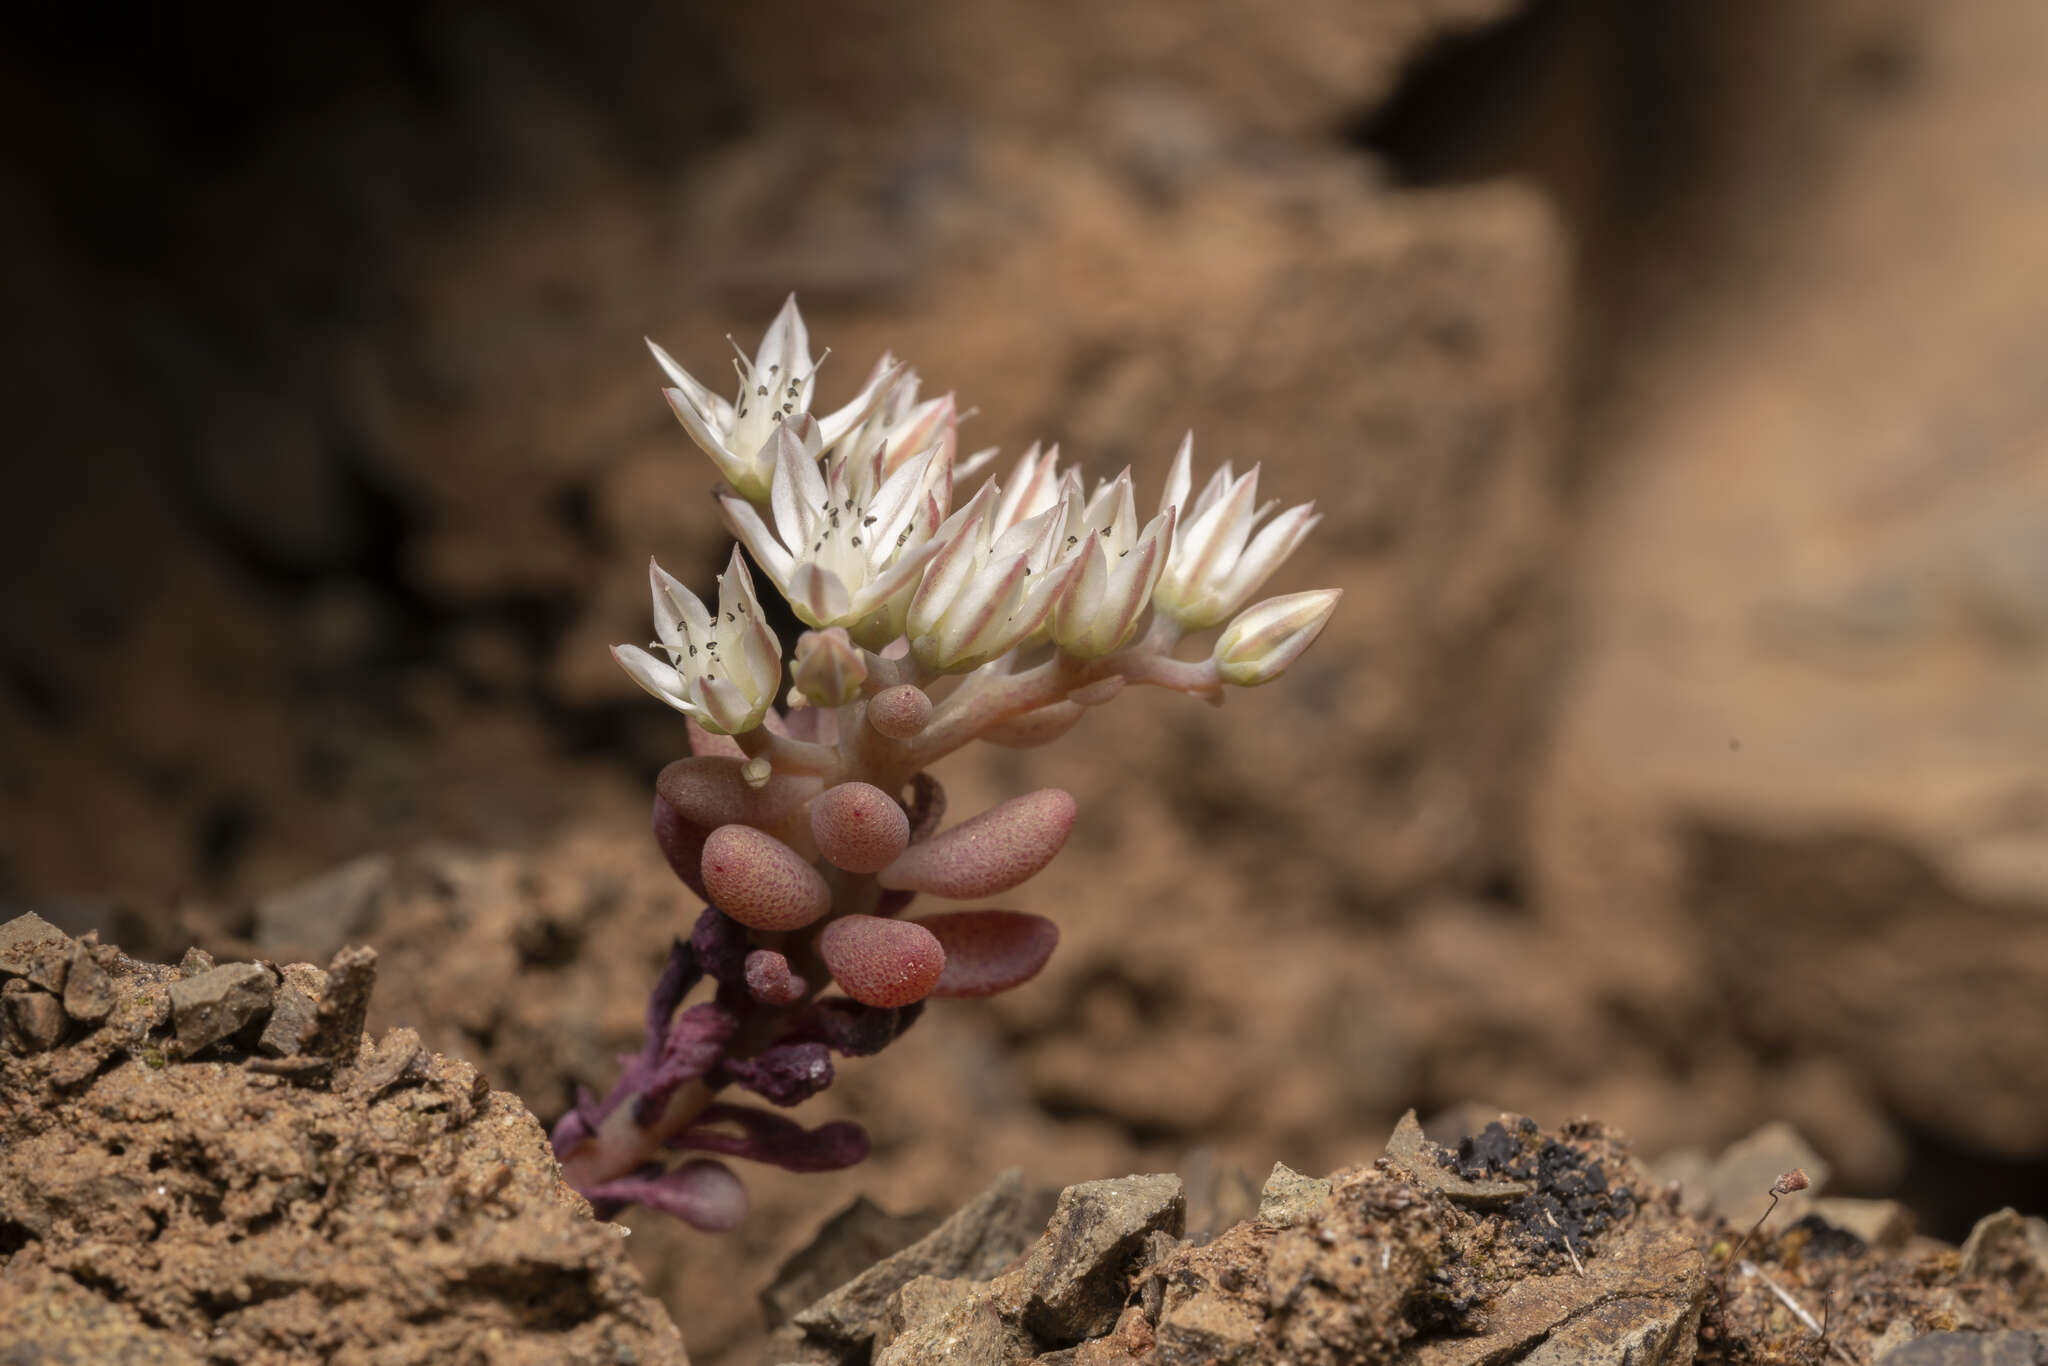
(974, 1243)
(1878, 1223)
(1206, 1329)
(89, 992)
(20, 940)
(37, 1016)
(293, 1016)
(2009, 1348)
(1288, 1197)
(216, 1002)
(345, 1005)
(969, 1332)
(1073, 1281)
(1646, 1288)
(1415, 1157)
(850, 1242)
(162, 1206)
(318, 916)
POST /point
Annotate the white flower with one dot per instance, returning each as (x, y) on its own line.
(846, 551)
(985, 592)
(722, 670)
(1119, 565)
(1217, 562)
(775, 387)
(1258, 646)
(1034, 486)
(898, 429)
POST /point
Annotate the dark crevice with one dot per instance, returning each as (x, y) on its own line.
(1950, 1185)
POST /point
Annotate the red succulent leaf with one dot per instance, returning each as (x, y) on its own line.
(989, 853)
(859, 827)
(882, 962)
(990, 951)
(761, 882)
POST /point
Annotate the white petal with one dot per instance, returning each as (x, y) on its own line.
(785, 353)
(1178, 478)
(837, 424)
(1267, 552)
(678, 613)
(658, 678)
(818, 596)
(714, 408)
(743, 520)
(798, 496)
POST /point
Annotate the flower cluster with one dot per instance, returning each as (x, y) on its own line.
(807, 820)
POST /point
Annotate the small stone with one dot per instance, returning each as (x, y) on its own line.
(293, 1016)
(50, 966)
(1205, 1330)
(1648, 1331)
(969, 1333)
(37, 1016)
(2007, 1246)
(390, 1064)
(851, 1241)
(1738, 1185)
(321, 914)
(89, 992)
(1876, 1223)
(338, 1031)
(195, 961)
(975, 1242)
(210, 1005)
(1073, 1281)
(1415, 1157)
(21, 938)
(1288, 1197)
(2008, 1348)
(916, 1303)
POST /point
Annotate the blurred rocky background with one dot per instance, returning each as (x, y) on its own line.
(1674, 376)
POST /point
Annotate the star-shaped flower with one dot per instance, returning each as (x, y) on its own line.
(775, 388)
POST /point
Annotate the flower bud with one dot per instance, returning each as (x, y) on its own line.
(1265, 638)
(901, 712)
(829, 668)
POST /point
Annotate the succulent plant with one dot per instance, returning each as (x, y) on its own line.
(810, 828)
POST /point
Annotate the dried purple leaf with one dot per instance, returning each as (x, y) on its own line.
(785, 1074)
(702, 1193)
(779, 1142)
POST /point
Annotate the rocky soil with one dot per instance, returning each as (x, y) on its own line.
(1669, 376)
(213, 1163)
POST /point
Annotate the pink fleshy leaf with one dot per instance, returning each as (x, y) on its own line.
(990, 951)
(859, 827)
(682, 844)
(760, 881)
(989, 853)
(882, 962)
(709, 791)
(769, 979)
(901, 712)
